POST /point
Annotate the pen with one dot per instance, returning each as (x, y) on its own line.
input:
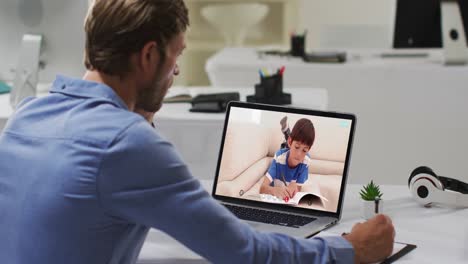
(282, 70)
(284, 180)
(291, 33)
(261, 73)
(286, 199)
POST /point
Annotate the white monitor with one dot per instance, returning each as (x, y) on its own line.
(59, 22)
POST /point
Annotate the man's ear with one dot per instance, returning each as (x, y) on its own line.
(148, 57)
(289, 141)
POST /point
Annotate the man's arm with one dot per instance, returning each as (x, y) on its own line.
(143, 180)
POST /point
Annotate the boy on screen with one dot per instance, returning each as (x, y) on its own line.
(290, 166)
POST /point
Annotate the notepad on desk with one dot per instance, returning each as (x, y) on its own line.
(179, 98)
(299, 198)
(201, 102)
(399, 250)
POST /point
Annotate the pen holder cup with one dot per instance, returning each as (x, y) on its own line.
(298, 46)
(371, 208)
(270, 91)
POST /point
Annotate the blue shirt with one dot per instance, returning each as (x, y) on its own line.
(279, 168)
(83, 179)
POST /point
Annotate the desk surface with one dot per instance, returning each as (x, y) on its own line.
(5, 108)
(306, 97)
(247, 56)
(239, 67)
(440, 233)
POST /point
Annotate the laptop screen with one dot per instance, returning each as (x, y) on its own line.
(292, 158)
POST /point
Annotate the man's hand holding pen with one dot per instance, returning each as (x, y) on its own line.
(372, 240)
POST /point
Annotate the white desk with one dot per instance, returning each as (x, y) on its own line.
(441, 234)
(195, 133)
(410, 112)
(239, 67)
(5, 109)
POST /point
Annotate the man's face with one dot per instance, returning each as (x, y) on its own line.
(297, 152)
(151, 96)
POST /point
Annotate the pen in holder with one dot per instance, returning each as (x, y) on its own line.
(270, 90)
(298, 45)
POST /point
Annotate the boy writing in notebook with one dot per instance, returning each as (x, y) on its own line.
(290, 166)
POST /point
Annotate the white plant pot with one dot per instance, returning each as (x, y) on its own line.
(371, 208)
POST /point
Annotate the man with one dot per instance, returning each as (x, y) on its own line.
(83, 177)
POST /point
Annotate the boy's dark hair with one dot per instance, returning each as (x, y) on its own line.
(304, 132)
(115, 29)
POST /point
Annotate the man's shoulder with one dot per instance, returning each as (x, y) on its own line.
(97, 122)
(102, 123)
(122, 126)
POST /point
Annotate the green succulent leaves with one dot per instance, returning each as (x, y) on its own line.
(371, 192)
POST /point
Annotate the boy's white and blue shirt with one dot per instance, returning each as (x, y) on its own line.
(82, 179)
(279, 167)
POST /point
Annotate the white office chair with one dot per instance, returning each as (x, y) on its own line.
(234, 20)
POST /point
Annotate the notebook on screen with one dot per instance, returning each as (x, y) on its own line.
(284, 169)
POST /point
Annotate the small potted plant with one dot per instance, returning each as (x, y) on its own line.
(372, 203)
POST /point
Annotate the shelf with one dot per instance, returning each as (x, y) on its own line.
(204, 45)
(203, 40)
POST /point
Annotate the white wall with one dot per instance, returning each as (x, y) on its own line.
(350, 16)
(61, 25)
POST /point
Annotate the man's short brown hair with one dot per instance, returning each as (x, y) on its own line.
(115, 29)
(304, 132)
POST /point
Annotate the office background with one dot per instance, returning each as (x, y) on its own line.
(318, 17)
(401, 125)
(371, 20)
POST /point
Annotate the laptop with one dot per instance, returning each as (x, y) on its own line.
(253, 139)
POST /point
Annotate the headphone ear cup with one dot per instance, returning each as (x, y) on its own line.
(419, 170)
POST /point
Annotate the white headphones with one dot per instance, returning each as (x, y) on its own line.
(428, 188)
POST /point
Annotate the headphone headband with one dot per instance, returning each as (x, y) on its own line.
(454, 185)
(419, 170)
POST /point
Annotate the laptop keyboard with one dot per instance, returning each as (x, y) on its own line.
(269, 217)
